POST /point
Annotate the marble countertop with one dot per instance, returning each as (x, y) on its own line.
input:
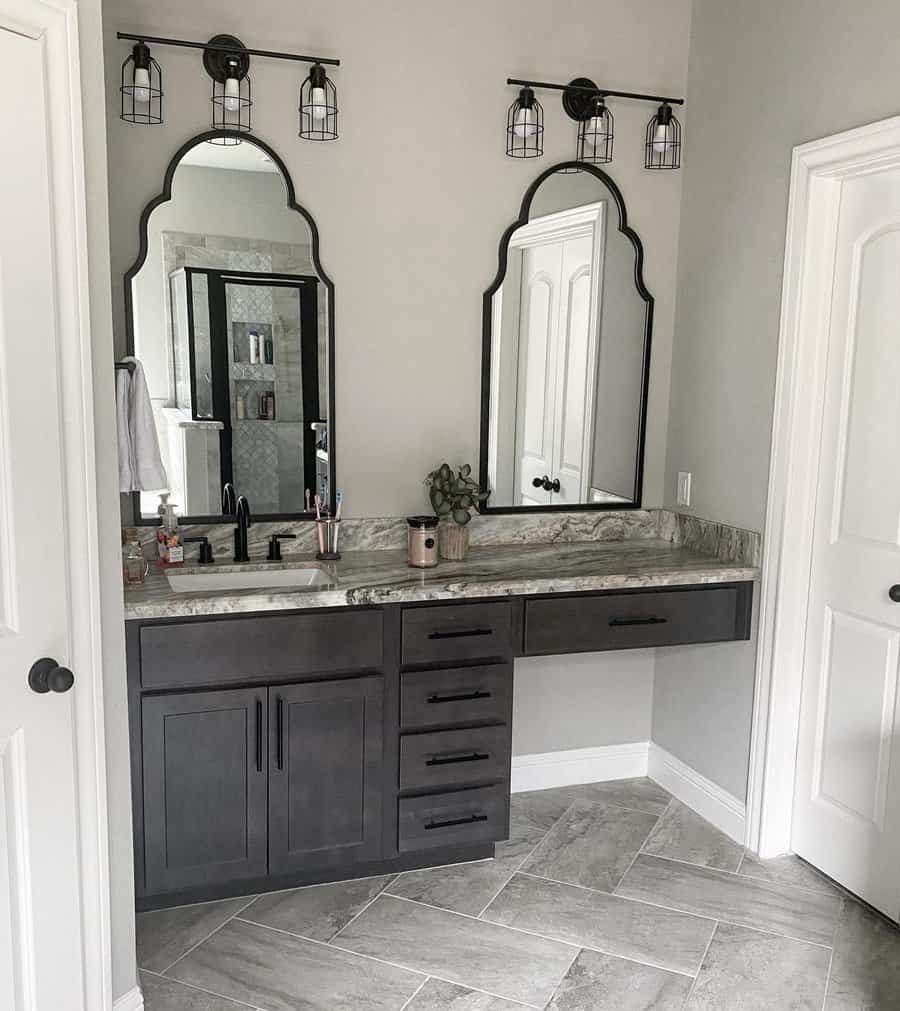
(383, 577)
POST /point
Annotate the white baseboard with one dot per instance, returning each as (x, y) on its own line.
(578, 765)
(700, 794)
(133, 1000)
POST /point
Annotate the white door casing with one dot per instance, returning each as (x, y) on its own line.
(54, 899)
(558, 352)
(830, 556)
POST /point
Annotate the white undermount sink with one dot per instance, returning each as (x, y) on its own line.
(248, 579)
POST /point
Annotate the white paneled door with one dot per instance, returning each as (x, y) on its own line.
(41, 933)
(558, 315)
(847, 797)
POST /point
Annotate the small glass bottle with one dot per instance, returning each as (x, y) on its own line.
(134, 565)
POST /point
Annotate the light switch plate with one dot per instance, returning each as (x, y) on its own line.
(683, 494)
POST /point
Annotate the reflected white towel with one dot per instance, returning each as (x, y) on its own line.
(140, 463)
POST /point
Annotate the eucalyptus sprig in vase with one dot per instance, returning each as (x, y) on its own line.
(454, 496)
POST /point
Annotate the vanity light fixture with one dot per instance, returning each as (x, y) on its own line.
(662, 149)
(141, 88)
(228, 63)
(525, 126)
(596, 134)
(585, 102)
(318, 106)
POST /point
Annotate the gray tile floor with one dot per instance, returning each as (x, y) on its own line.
(612, 895)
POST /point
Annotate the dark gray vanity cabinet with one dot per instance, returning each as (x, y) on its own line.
(205, 788)
(325, 748)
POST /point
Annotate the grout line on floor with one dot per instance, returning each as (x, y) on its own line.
(233, 916)
(395, 965)
(549, 937)
(693, 986)
(741, 863)
(522, 863)
(564, 975)
(828, 979)
(364, 908)
(414, 994)
(202, 989)
(675, 909)
(641, 848)
(834, 891)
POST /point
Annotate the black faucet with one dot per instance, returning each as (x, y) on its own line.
(229, 502)
(242, 511)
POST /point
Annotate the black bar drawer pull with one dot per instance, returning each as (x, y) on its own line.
(471, 820)
(259, 742)
(279, 731)
(619, 622)
(461, 633)
(465, 756)
(464, 697)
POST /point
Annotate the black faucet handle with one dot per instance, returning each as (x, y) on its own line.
(206, 551)
(275, 540)
(229, 499)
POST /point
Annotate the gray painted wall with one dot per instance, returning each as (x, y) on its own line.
(411, 201)
(764, 77)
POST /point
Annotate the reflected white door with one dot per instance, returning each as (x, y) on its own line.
(847, 800)
(556, 369)
(40, 922)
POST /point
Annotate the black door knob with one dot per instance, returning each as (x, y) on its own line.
(545, 483)
(894, 593)
(47, 676)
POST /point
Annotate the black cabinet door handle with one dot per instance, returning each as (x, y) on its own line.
(259, 741)
(279, 732)
(463, 756)
(619, 622)
(894, 593)
(471, 820)
(435, 700)
(460, 633)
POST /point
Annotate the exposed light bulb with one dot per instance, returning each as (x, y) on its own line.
(232, 94)
(142, 85)
(525, 125)
(596, 131)
(318, 105)
(661, 138)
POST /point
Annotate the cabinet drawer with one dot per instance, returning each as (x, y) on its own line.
(456, 632)
(635, 620)
(450, 819)
(240, 649)
(454, 757)
(461, 695)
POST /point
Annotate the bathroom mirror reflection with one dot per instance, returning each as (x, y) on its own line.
(567, 326)
(229, 314)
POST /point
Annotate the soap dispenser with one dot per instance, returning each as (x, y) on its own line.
(171, 550)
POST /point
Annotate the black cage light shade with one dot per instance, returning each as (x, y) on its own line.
(662, 148)
(525, 126)
(231, 101)
(596, 134)
(318, 106)
(141, 91)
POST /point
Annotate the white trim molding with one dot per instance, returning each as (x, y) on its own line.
(708, 799)
(132, 1000)
(578, 765)
(818, 171)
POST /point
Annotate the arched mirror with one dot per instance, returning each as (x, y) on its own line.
(231, 315)
(566, 351)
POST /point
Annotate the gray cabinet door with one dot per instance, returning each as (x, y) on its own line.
(204, 766)
(325, 773)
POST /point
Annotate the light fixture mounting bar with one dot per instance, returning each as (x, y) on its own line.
(296, 57)
(604, 92)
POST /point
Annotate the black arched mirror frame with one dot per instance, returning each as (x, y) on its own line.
(292, 205)
(487, 317)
